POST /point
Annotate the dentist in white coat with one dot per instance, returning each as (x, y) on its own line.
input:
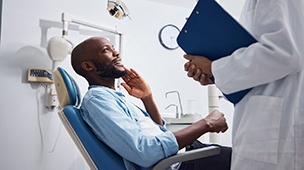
(268, 125)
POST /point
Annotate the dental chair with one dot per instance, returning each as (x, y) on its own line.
(97, 154)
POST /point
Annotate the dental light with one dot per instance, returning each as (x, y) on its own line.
(117, 9)
(58, 49)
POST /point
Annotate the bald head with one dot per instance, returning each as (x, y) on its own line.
(85, 51)
(97, 61)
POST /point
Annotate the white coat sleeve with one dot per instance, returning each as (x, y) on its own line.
(278, 53)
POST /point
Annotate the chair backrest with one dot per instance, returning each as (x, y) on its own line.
(95, 152)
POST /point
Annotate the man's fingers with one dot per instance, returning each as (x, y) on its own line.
(127, 87)
(134, 73)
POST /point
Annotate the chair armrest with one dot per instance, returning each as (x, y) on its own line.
(186, 156)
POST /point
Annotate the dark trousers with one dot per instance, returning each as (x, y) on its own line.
(221, 161)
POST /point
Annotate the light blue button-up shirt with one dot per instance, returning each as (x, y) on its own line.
(114, 122)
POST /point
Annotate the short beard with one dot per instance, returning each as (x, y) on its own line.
(108, 70)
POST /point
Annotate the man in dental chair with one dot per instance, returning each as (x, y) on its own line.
(139, 136)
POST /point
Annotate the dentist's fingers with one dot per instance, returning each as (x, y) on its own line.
(189, 57)
(191, 70)
(205, 80)
(197, 75)
(187, 65)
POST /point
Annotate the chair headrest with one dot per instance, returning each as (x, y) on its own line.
(67, 89)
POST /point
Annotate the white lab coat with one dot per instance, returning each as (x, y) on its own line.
(268, 125)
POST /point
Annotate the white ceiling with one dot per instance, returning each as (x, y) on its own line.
(234, 8)
(180, 3)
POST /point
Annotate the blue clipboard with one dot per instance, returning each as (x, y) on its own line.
(213, 33)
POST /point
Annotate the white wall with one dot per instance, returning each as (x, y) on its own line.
(29, 132)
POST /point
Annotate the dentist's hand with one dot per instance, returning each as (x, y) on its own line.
(135, 84)
(199, 68)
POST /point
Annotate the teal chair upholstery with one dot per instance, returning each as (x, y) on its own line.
(97, 154)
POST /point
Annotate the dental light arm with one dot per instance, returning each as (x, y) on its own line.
(67, 18)
(117, 9)
(59, 48)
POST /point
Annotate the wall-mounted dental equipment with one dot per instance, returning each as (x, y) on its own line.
(68, 18)
(214, 95)
(39, 75)
(181, 120)
(178, 114)
(59, 48)
(118, 9)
